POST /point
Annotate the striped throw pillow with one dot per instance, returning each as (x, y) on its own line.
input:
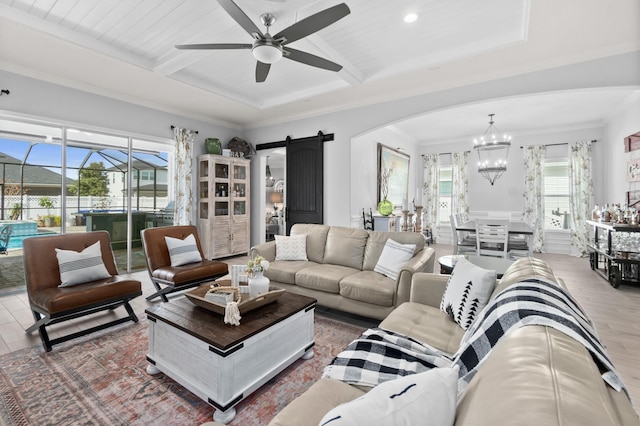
(393, 257)
(182, 252)
(81, 267)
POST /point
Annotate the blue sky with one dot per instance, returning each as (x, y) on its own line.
(44, 154)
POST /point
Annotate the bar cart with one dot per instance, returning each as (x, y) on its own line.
(615, 252)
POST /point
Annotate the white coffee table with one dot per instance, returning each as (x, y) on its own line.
(223, 364)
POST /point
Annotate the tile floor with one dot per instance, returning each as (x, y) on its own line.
(615, 312)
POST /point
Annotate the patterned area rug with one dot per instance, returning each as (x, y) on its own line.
(103, 381)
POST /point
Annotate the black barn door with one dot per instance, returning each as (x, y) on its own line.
(304, 181)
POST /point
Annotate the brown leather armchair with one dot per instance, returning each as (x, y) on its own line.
(51, 304)
(176, 278)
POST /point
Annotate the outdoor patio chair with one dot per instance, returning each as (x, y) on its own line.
(74, 282)
(167, 278)
(5, 235)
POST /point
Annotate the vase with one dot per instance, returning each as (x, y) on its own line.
(213, 146)
(258, 284)
(385, 207)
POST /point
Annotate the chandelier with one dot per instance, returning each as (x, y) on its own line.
(270, 179)
(493, 149)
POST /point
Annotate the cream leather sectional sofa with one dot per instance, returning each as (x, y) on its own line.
(533, 376)
(339, 272)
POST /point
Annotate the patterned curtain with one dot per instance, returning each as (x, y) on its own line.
(533, 208)
(459, 183)
(183, 168)
(580, 193)
(431, 193)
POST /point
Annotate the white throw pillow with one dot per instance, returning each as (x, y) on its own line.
(291, 248)
(182, 252)
(81, 267)
(424, 398)
(393, 257)
(467, 292)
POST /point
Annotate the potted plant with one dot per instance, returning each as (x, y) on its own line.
(47, 203)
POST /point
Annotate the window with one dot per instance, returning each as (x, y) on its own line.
(147, 175)
(556, 194)
(445, 185)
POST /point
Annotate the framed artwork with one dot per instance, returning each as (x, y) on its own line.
(632, 142)
(633, 170)
(397, 162)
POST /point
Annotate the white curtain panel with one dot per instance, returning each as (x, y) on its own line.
(431, 193)
(533, 197)
(183, 169)
(580, 194)
(460, 183)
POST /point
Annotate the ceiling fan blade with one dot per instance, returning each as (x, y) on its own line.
(262, 70)
(214, 46)
(241, 18)
(313, 23)
(309, 59)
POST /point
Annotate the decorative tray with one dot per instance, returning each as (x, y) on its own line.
(246, 304)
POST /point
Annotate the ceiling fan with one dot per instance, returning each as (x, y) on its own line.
(268, 49)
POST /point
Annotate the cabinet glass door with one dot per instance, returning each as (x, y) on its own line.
(239, 172)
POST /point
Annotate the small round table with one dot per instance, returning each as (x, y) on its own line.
(498, 264)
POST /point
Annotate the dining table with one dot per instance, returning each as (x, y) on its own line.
(514, 227)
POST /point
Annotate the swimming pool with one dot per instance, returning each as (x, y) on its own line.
(15, 242)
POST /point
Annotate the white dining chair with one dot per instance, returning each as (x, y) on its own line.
(519, 245)
(492, 237)
(461, 243)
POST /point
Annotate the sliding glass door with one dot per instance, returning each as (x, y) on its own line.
(56, 179)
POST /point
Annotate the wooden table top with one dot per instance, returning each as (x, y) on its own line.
(209, 326)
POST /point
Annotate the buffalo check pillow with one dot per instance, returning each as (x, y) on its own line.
(467, 292)
(182, 252)
(81, 267)
(429, 397)
(393, 257)
(293, 247)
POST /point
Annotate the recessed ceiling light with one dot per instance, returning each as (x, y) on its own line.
(410, 17)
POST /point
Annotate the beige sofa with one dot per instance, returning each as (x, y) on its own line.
(339, 272)
(534, 376)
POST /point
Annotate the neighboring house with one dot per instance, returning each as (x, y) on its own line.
(147, 181)
(35, 180)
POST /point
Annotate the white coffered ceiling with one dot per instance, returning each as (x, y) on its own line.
(125, 49)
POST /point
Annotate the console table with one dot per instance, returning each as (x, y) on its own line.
(616, 266)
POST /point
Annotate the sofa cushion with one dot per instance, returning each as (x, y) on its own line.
(378, 239)
(424, 398)
(345, 247)
(426, 324)
(323, 277)
(285, 272)
(322, 396)
(540, 373)
(393, 257)
(468, 292)
(81, 267)
(293, 247)
(316, 239)
(521, 269)
(370, 287)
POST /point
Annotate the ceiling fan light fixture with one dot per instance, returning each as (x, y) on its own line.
(410, 18)
(267, 52)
